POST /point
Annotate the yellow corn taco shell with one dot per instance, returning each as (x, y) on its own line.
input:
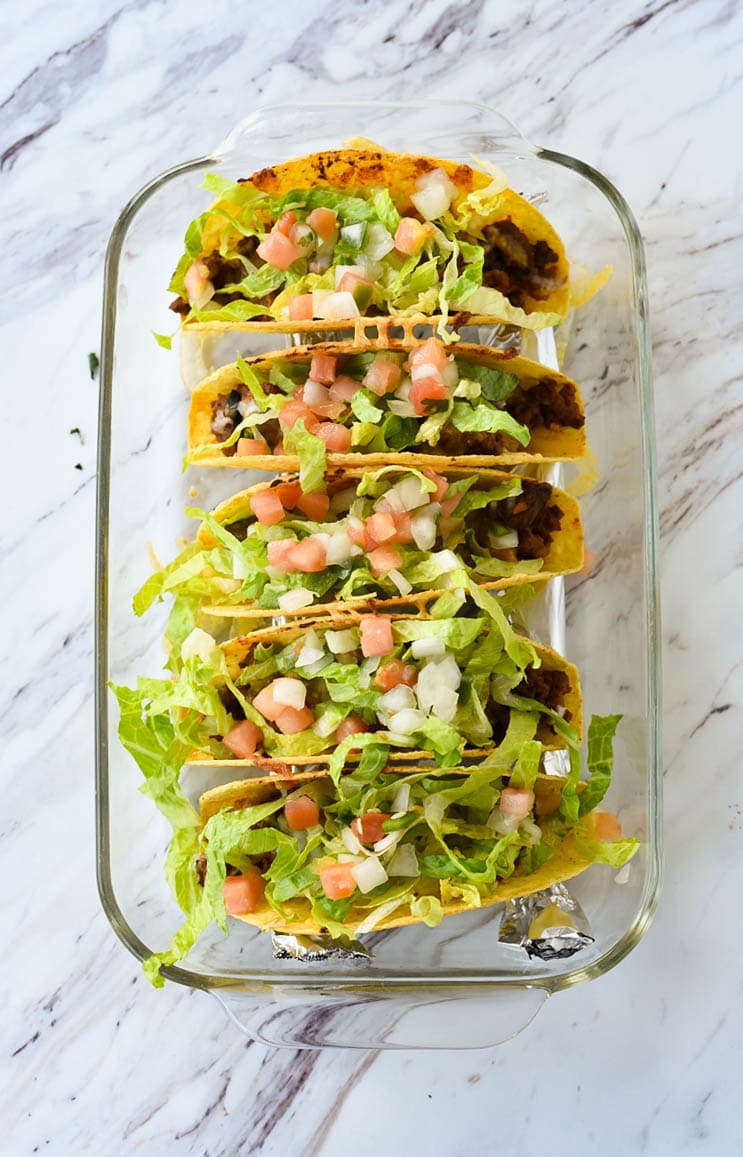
(353, 171)
(237, 653)
(564, 863)
(554, 443)
(565, 554)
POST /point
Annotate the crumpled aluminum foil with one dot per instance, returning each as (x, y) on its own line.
(314, 949)
(550, 925)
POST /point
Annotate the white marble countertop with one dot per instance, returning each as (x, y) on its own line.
(96, 99)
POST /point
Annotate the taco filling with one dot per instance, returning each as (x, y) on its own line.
(395, 533)
(424, 400)
(356, 233)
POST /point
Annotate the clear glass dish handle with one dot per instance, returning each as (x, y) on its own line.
(440, 1018)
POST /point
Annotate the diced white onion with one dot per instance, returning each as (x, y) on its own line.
(502, 824)
(352, 842)
(240, 568)
(247, 406)
(342, 270)
(290, 692)
(507, 541)
(407, 721)
(396, 737)
(369, 875)
(336, 306)
(427, 648)
(339, 548)
(343, 858)
(431, 202)
(354, 234)
(400, 581)
(339, 642)
(403, 390)
(402, 408)
(370, 664)
(423, 529)
(315, 668)
(319, 297)
(532, 831)
(401, 802)
(436, 688)
(425, 371)
(397, 699)
(197, 643)
(311, 650)
(378, 914)
(404, 862)
(296, 599)
(378, 241)
(411, 493)
(315, 394)
(388, 842)
(450, 374)
(448, 671)
(446, 561)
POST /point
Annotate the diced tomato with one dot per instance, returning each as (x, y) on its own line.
(280, 555)
(308, 556)
(351, 725)
(430, 353)
(267, 705)
(250, 447)
(197, 284)
(368, 827)
(356, 533)
(323, 221)
(295, 409)
(289, 493)
(425, 391)
(380, 527)
(393, 673)
(376, 635)
(402, 522)
(516, 801)
(384, 559)
(244, 739)
(343, 389)
(440, 482)
(301, 813)
(267, 507)
(336, 437)
(300, 307)
(292, 719)
(279, 251)
(383, 376)
(337, 882)
(315, 506)
(322, 368)
(243, 894)
(606, 826)
(285, 223)
(411, 236)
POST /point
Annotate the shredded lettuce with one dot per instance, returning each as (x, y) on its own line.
(311, 453)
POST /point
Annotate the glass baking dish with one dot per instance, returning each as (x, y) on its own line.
(456, 985)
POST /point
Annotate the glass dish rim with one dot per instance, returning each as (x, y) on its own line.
(394, 982)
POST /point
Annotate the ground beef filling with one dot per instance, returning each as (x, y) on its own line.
(227, 414)
(531, 513)
(544, 686)
(227, 271)
(547, 404)
(517, 267)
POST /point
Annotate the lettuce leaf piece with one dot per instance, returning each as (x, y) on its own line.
(428, 909)
(258, 283)
(456, 634)
(354, 743)
(385, 210)
(519, 649)
(362, 404)
(233, 311)
(612, 852)
(600, 760)
(485, 418)
(311, 453)
(284, 381)
(198, 920)
(455, 891)
(492, 303)
(251, 379)
(495, 385)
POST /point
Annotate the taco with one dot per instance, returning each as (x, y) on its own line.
(348, 406)
(367, 689)
(311, 855)
(363, 233)
(394, 537)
